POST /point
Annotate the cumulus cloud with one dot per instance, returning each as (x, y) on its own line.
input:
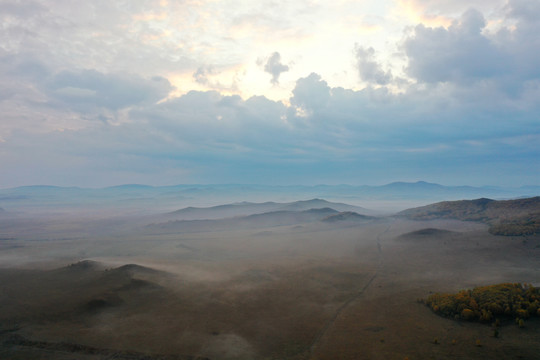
(369, 69)
(274, 67)
(460, 53)
(311, 93)
(468, 56)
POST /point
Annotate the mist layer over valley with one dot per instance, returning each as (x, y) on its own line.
(248, 273)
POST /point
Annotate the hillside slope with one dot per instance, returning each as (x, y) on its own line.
(255, 221)
(505, 217)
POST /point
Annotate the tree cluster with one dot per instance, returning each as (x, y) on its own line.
(487, 303)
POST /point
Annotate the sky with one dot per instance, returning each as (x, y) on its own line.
(162, 92)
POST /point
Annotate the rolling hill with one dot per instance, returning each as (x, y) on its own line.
(255, 221)
(505, 217)
(249, 208)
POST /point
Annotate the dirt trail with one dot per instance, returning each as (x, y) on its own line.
(353, 298)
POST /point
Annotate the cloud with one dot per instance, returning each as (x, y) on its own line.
(87, 89)
(369, 69)
(470, 100)
(442, 12)
(460, 53)
(524, 9)
(274, 67)
(521, 41)
(202, 73)
(24, 9)
(37, 98)
(311, 93)
(437, 133)
(472, 61)
(100, 35)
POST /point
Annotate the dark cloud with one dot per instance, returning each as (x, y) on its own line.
(369, 69)
(274, 67)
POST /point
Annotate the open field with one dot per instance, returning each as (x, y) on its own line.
(134, 287)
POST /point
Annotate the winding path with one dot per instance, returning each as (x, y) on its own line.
(353, 298)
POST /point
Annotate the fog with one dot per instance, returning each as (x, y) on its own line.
(307, 279)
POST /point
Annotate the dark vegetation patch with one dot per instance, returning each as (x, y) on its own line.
(84, 265)
(501, 302)
(526, 225)
(346, 216)
(102, 303)
(17, 341)
(138, 284)
(133, 269)
(427, 233)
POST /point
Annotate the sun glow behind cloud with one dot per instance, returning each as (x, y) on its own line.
(313, 37)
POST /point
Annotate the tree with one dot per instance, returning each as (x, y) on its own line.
(467, 314)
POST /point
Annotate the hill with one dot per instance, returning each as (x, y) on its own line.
(505, 217)
(269, 219)
(249, 208)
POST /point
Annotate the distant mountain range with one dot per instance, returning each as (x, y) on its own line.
(392, 190)
(151, 199)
